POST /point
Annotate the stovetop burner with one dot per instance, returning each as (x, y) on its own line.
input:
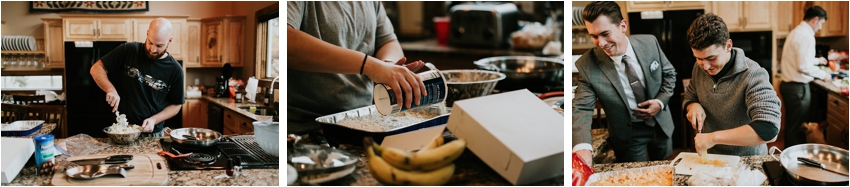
(215, 157)
(200, 159)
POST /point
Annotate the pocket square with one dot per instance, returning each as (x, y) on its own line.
(653, 66)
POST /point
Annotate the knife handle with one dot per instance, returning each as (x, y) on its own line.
(810, 162)
(119, 158)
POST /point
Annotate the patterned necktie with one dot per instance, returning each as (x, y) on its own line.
(637, 88)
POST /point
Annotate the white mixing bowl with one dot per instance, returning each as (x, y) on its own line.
(267, 135)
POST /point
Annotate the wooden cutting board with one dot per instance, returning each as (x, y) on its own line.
(690, 162)
(151, 170)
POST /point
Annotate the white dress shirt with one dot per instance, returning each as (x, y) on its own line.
(798, 62)
(624, 80)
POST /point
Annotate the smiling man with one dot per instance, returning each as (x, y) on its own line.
(730, 97)
(632, 80)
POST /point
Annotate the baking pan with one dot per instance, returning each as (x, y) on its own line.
(337, 133)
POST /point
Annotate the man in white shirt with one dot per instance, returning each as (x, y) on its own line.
(633, 81)
(797, 70)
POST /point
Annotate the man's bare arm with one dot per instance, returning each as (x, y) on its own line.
(98, 72)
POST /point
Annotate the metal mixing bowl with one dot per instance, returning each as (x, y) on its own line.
(204, 137)
(526, 69)
(465, 84)
(125, 138)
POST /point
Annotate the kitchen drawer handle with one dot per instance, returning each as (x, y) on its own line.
(835, 102)
(244, 124)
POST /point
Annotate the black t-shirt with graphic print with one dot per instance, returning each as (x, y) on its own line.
(145, 86)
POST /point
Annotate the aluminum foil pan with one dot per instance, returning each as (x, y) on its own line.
(353, 134)
(636, 172)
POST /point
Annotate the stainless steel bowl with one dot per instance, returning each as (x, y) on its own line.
(125, 138)
(465, 84)
(202, 137)
(526, 69)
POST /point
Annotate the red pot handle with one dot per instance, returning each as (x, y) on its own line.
(550, 94)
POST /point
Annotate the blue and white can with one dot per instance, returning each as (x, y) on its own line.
(44, 154)
(435, 84)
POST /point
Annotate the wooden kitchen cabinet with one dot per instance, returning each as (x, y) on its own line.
(836, 117)
(97, 29)
(193, 47)
(785, 20)
(836, 14)
(222, 41)
(195, 113)
(177, 47)
(54, 46)
(637, 6)
(744, 16)
(235, 123)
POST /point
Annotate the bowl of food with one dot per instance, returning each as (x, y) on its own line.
(465, 84)
(123, 134)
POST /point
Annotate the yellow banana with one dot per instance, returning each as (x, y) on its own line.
(426, 160)
(438, 141)
(389, 175)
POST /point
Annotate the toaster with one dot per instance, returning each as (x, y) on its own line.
(483, 25)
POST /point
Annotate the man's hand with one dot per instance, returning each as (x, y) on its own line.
(113, 99)
(696, 115)
(399, 78)
(586, 156)
(704, 141)
(148, 125)
(647, 109)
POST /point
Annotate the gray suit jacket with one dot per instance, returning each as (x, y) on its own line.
(598, 79)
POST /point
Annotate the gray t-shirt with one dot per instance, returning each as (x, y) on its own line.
(360, 26)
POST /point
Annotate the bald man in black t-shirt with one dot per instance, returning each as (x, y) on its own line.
(149, 78)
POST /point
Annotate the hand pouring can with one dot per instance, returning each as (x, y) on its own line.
(435, 84)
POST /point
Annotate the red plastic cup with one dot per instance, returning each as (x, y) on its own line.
(441, 24)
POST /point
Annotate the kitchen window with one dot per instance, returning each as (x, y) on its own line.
(268, 39)
(35, 82)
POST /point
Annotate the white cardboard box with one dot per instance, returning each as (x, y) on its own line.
(515, 133)
(15, 153)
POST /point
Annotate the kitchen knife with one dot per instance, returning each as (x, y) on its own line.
(815, 163)
(114, 159)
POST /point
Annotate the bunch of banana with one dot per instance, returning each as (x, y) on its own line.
(430, 166)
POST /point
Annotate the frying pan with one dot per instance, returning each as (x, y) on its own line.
(831, 156)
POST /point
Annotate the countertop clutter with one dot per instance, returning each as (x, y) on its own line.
(469, 170)
(149, 145)
(754, 162)
(230, 104)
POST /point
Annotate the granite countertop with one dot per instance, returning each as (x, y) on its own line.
(231, 104)
(469, 170)
(149, 145)
(600, 140)
(681, 180)
(430, 45)
(829, 86)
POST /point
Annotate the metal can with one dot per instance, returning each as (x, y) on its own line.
(435, 85)
(44, 154)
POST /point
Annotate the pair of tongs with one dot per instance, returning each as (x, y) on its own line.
(171, 155)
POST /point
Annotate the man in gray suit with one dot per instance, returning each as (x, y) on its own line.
(632, 79)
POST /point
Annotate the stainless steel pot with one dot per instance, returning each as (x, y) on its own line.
(831, 156)
(526, 69)
(195, 137)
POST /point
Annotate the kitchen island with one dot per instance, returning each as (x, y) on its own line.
(469, 170)
(148, 145)
(754, 162)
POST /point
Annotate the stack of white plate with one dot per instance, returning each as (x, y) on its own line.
(18, 43)
(577, 16)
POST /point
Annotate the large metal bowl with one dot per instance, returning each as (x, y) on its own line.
(124, 138)
(204, 137)
(465, 84)
(526, 69)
